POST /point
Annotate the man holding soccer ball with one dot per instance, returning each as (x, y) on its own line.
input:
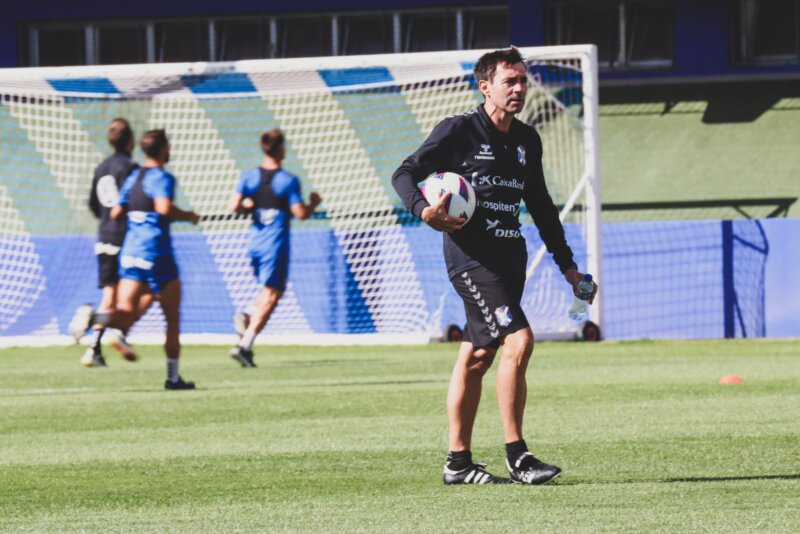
(486, 257)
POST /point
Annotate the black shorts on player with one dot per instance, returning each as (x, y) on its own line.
(107, 270)
(491, 304)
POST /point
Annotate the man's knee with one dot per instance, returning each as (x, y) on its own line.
(271, 296)
(109, 299)
(519, 346)
(480, 361)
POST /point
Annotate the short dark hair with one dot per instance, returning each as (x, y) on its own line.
(119, 134)
(487, 63)
(271, 141)
(153, 142)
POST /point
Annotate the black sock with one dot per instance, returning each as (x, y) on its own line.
(97, 335)
(457, 460)
(514, 450)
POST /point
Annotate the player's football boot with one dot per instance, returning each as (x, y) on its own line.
(244, 357)
(473, 474)
(120, 343)
(81, 321)
(93, 359)
(179, 384)
(527, 469)
(240, 322)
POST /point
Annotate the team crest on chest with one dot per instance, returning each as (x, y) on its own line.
(521, 154)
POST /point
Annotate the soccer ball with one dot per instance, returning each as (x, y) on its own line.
(462, 197)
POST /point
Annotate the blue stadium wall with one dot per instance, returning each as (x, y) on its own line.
(701, 27)
(662, 279)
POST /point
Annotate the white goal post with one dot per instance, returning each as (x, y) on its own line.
(363, 271)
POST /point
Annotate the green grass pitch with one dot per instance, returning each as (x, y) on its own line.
(352, 439)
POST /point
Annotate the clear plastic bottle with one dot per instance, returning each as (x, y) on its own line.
(578, 309)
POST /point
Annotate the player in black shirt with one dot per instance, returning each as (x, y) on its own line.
(108, 179)
(486, 258)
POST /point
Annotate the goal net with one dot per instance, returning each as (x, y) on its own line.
(361, 269)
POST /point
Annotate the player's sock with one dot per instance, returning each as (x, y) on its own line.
(247, 339)
(101, 318)
(172, 369)
(515, 449)
(97, 335)
(458, 460)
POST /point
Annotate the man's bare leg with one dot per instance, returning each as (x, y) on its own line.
(512, 387)
(464, 393)
(170, 299)
(512, 393)
(264, 305)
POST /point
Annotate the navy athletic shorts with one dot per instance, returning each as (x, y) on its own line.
(492, 305)
(157, 274)
(272, 270)
(107, 270)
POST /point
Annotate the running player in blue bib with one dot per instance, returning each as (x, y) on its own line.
(147, 263)
(274, 197)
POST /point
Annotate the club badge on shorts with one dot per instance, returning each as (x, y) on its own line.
(521, 154)
(503, 315)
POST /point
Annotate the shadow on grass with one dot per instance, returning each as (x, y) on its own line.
(724, 479)
(726, 102)
(331, 361)
(567, 482)
(387, 382)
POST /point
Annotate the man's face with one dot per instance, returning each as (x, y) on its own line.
(508, 87)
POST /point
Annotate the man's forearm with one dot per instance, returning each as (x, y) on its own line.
(177, 214)
(406, 187)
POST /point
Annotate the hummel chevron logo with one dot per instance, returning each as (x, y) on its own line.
(481, 303)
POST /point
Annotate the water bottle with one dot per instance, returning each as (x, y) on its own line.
(577, 309)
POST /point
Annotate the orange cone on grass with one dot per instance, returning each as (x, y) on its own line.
(731, 379)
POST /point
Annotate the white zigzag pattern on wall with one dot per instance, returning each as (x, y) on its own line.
(20, 270)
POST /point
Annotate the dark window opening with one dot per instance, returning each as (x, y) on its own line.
(182, 41)
(766, 31)
(367, 34)
(120, 44)
(649, 31)
(304, 37)
(485, 29)
(424, 32)
(628, 34)
(62, 47)
(242, 40)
